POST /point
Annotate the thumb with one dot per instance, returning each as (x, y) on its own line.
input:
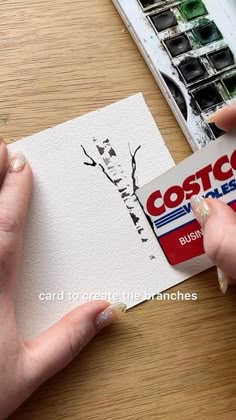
(224, 118)
(218, 222)
(56, 347)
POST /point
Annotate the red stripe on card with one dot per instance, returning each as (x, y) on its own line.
(185, 242)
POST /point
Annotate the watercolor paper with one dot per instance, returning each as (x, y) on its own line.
(86, 234)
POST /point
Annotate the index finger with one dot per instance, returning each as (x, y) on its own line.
(224, 118)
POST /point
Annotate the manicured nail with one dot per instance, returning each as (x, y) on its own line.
(17, 162)
(223, 280)
(110, 314)
(200, 209)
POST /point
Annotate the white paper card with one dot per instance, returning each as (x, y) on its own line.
(86, 235)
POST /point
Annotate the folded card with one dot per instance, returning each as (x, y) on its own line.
(87, 237)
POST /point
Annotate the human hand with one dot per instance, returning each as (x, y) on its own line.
(24, 365)
(217, 219)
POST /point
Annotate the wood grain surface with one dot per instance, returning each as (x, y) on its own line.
(164, 360)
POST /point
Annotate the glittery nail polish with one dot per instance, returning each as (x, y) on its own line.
(200, 209)
(17, 162)
(110, 314)
(223, 280)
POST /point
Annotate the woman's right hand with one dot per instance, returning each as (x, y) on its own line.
(217, 219)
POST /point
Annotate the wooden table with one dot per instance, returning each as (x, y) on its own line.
(165, 360)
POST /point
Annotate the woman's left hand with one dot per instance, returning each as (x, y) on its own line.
(24, 365)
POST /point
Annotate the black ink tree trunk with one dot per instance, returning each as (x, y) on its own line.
(126, 185)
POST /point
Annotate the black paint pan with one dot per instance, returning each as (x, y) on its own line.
(192, 70)
(222, 58)
(208, 97)
(178, 45)
(164, 20)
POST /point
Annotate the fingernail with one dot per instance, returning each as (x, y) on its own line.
(223, 280)
(211, 118)
(110, 314)
(17, 162)
(200, 209)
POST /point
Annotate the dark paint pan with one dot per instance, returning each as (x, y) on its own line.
(192, 9)
(178, 45)
(207, 33)
(230, 83)
(164, 20)
(146, 3)
(222, 58)
(216, 131)
(208, 97)
(192, 70)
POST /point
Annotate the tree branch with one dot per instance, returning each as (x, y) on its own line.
(134, 167)
(92, 163)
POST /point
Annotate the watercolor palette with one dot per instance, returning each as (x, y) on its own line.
(190, 47)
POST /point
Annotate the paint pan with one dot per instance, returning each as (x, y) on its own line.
(164, 20)
(192, 70)
(178, 45)
(222, 58)
(208, 97)
(216, 131)
(230, 84)
(208, 33)
(192, 9)
(147, 3)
